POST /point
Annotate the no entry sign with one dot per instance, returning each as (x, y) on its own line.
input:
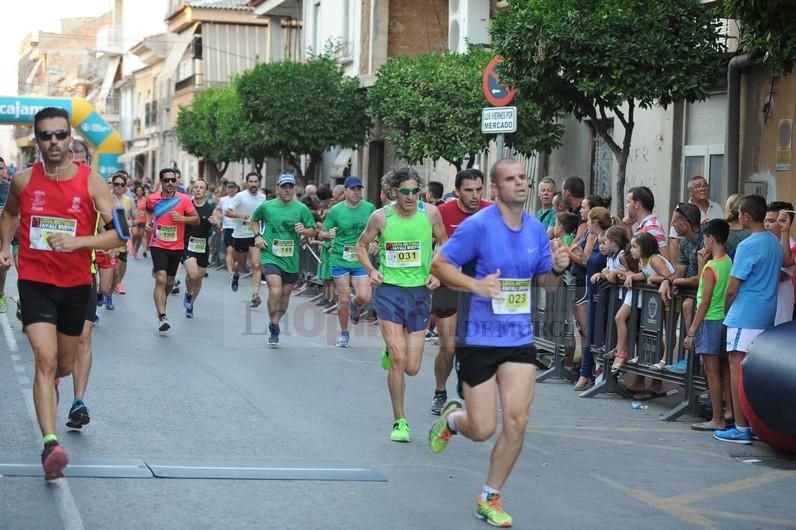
(497, 94)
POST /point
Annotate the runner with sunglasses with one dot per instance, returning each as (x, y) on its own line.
(167, 213)
(405, 231)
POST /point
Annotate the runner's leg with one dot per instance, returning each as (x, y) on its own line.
(160, 293)
(343, 286)
(443, 362)
(274, 298)
(254, 256)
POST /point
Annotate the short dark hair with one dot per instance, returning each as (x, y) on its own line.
(575, 186)
(718, 229)
(51, 112)
(165, 170)
(776, 206)
(436, 189)
(468, 174)
(691, 214)
(568, 221)
(643, 195)
(403, 174)
(250, 174)
(647, 243)
(118, 175)
(596, 201)
(3, 160)
(754, 206)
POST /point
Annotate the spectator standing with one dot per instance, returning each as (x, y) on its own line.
(699, 196)
(779, 218)
(546, 214)
(737, 232)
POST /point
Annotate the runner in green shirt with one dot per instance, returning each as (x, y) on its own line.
(343, 225)
(286, 221)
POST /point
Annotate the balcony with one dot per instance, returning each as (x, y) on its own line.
(185, 84)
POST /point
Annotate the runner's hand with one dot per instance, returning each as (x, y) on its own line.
(259, 242)
(432, 282)
(331, 234)
(376, 278)
(489, 286)
(6, 259)
(560, 256)
(62, 242)
(175, 216)
(299, 228)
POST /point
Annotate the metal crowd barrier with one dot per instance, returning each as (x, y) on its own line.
(655, 332)
(554, 327)
(309, 261)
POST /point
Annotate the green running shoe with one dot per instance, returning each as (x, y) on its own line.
(385, 360)
(3, 304)
(440, 434)
(491, 511)
(400, 431)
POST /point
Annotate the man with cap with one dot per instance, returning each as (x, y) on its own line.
(344, 222)
(286, 220)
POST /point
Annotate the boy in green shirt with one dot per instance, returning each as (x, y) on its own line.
(707, 332)
(286, 221)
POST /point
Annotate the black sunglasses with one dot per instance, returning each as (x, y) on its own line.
(118, 184)
(169, 180)
(45, 136)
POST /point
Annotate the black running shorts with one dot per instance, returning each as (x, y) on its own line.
(64, 307)
(476, 364)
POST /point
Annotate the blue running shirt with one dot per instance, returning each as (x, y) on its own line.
(482, 244)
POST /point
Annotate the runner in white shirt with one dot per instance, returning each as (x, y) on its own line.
(240, 209)
(228, 223)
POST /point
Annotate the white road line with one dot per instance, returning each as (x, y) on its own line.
(77, 466)
(236, 468)
(65, 503)
(11, 340)
(16, 358)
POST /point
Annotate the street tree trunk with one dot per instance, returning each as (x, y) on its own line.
(598, 124)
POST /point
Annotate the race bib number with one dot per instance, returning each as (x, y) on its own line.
(197, 244)
(516, 297)
(402, 254)
(283, 248)
(41, 228)
(167, 233)
(349, 253)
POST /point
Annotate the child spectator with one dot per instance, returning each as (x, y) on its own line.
(707, 334)
(566, 225)
(653, 268)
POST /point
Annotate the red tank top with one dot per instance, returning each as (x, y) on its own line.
(48, 206)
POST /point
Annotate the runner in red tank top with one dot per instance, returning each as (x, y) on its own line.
(469, 189)
(56, 202)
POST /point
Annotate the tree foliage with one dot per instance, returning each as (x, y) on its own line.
(296, 109)
(209, 127)
(431, 107)
(767, 26)
(594, 58)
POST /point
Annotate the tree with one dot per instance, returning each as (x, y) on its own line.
(431, 107)
(209, 128)
(296, 109)
(595, 57)
(766, 27)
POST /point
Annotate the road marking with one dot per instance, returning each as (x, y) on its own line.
(65, 503)
(260, 468)
(19, 369)
(8, 332)
(16, 358)
(731, 487)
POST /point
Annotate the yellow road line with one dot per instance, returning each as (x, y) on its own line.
(720, 490)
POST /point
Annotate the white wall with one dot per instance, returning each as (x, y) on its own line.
(140, 18)
(333, 25)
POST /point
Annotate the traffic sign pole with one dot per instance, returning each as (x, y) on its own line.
(499, 139)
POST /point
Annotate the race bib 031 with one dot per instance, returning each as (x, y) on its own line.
(402, 254)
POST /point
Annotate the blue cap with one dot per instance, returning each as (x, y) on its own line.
(286, 179)
(352, 182)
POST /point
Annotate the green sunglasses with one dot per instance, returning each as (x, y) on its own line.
(408, 191)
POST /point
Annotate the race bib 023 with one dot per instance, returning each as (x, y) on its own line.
(516, 297)
(41, 228)
(402, 254)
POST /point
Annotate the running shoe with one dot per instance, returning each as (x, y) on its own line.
(440, 434)
(96, 320)
(234, 285)
(385, 360)
(343, 340)
(163, 325)
(100, 301)
(355, 312)
(189, 313)
(256, 300)
(431, 335)
(400, 431)
(53, 460)
(175, 289)
(733, 435)
(119, 289)
(187, 302)
(3, 304)
(109, 303)
(145, 253)
(273, 335)
(438, 401)
(78, 415)
(491, 511)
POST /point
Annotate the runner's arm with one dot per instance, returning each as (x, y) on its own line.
(375, 226)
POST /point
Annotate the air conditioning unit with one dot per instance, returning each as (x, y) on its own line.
(468, 21)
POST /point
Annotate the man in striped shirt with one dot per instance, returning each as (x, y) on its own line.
(639, 206)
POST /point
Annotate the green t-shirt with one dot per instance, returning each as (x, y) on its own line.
(546, 216)
(721, 269)
(281, 240)
(350, 223)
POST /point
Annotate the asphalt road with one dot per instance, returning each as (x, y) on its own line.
(211, 394)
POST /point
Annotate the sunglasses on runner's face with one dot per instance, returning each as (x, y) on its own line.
(408, 191)
(167, 181)
(45, 136)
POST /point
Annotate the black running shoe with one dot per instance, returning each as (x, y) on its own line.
(163, 325)
(53, 460)
(78, 416)
(235, 278)
(439, 400)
